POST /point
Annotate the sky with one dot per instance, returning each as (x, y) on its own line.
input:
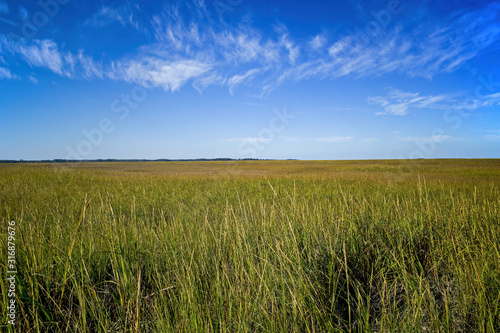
(315, 80)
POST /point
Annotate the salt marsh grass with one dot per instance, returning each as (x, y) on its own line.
(255, 246)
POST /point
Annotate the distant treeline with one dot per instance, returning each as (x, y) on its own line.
(135, 160)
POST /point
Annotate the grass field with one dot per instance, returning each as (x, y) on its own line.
(254, 246)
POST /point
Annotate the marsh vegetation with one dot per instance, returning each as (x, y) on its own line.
(255, 246)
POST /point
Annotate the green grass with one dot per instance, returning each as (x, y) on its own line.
(255, 246)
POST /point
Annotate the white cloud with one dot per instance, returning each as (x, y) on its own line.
(126, 15)
(192, 47)
(46, 54)
(173, 32)
(42, 53)
(203, 82)
(398, 102)
(33, 79)
(489, 100)
(293, 51)
(237, 79)
(424, 51)
(317, 42)
(89, 68)
(335, 139)
(6, 74)
(155, 72)
(370, 139)
(244, 47)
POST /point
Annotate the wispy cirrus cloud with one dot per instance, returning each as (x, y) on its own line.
(293, 50)
(399, 103)
(46, 54)
(147, 70)
(317, 42)
(242, 47)
(424, 50)
(198, 48)
(487, 100)
(206, 81)
(126, 15)
(42, 53)
(172, 31)
(6, 74)
(155, 72)
(238, 79)
(88, 67)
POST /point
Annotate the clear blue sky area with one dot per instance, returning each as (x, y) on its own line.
(344, 79)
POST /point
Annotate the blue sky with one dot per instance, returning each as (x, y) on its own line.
(343, 79)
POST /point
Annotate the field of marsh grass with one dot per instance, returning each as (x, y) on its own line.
(254, 246)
